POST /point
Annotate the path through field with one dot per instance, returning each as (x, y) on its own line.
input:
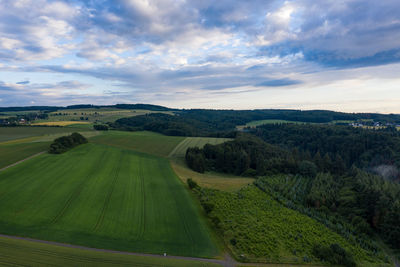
(18, 162)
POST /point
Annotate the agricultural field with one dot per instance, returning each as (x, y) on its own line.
(106, 197)
(15, 252)
(11, 153)
(14, 133)
(200, 142)
(59, 123)
(146, 142)
(95, 114)
(257, 228)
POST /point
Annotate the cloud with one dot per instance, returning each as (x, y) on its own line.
(23, 82)
(278, 82)
(167, 49)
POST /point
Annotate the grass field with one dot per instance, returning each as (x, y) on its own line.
(101, 196)
(146, 142)
(180, 149)
(14, 133)
(60, 123)
(26, 253)
(213, 180)
(95, 114)
(10, 154)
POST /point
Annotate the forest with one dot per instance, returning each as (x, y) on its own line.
(339, 168)
(221, 123)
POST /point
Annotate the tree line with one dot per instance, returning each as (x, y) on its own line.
(65, 143)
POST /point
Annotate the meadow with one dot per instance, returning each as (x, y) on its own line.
(15, 252)
(103, 114)
(106, 197)
(14, 133)
(11, 153)
(257, 228)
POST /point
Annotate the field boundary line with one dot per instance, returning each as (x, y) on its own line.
(66, 245)
(177, 147)
(22, 160)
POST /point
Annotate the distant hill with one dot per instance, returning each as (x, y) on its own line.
(84, 106)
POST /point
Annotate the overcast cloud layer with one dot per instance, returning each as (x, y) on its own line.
(340, 55)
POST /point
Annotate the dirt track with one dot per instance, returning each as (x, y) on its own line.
(18, 162)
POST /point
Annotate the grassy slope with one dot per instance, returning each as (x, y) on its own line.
(214, 180)
(264, 230)
(14, 133)
(21, 252)
(146, 142)
(101, 196)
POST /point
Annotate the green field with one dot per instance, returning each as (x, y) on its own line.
(180, 149)
(12, 153)
(257, 228)
(96, 114)
(14, 133)
(102, 196)
(27, 253)
(146, 142)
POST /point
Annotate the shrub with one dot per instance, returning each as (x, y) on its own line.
(334, 254)
(100, 127)
(192, 184)
(208, 207)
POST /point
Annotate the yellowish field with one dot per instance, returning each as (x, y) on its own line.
(60, 123)
(224, 182)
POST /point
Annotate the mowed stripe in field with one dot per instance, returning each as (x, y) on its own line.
(106, 197)
(200, 142)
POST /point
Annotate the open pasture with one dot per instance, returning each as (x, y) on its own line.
(200, 142)
(105, 197)
(146, 142)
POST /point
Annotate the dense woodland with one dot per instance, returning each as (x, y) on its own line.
(337, 166)
(202, 122)
(65, 143)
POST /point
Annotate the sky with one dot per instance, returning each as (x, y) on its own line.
(339, 55)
